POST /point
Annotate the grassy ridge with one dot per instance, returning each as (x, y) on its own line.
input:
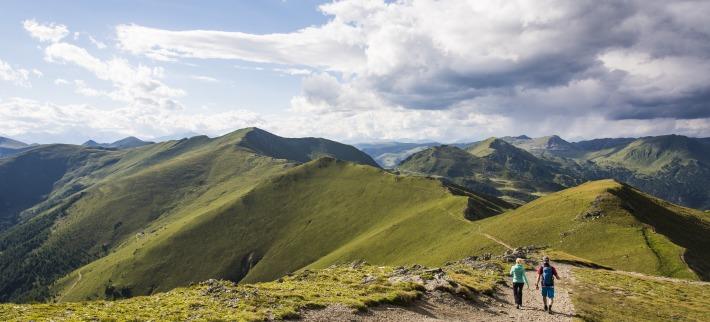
(357, 286)
(494, 167)
(317, 214)
(104, 199)
(608, 223)
(614, 296)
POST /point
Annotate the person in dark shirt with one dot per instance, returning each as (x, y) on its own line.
(546, 275)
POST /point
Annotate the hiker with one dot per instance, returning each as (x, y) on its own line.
(519, 279)
(545, 274)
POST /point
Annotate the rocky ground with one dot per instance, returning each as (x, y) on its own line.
(443, 306)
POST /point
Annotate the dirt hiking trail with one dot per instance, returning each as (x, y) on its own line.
(442, 306)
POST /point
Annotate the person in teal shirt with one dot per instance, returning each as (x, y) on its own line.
(519, 279)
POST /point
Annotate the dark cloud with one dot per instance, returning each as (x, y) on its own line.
(693, 105)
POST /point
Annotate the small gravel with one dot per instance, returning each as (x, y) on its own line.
(442, 306)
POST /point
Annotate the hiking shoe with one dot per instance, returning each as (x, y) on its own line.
(549, 309)
(545, 307)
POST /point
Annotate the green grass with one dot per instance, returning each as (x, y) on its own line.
(100, 200)
(492, 167)
(355, 286)
(388, 220)
(623, 237)
(321, 213)
(612, 296)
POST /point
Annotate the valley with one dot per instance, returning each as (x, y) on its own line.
(104, 224)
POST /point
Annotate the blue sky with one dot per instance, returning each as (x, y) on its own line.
(353, 70)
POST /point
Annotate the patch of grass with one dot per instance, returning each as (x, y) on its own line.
(90, 203)
(358, 287)
(613, 296)
(612, 225)
(562, 257)
(321, 213)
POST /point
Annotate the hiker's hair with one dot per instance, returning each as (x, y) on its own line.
(519, 261)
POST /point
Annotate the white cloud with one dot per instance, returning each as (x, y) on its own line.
(522, 60)
(139, 86)
(17, 76)
(50, 32)
(61, 81)
(327, 46)
(293, 71)
(77, 122)
(205, 79)
(248, 67)
(98, 44)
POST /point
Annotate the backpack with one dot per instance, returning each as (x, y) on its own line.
(547, 274)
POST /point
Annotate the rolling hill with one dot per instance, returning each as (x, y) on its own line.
(80, 203)
(390, 154)
(493, 167)
(9, 146)
(322, 212)
(330, 212)
(615, 225)
(251, 206)
(672, 167)
(125, 143)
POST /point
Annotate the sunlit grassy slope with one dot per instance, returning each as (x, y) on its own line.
(616, 296)
(494, 167)
(323, 212)
(100, 199)
(613, 225)
(356, 286)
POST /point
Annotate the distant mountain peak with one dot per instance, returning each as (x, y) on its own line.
(125, 143)
(91, 143)
(11, 144)
(522, 137)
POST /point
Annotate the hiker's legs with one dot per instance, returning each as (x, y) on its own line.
(551, 295)
(544, 297)
(518, 293)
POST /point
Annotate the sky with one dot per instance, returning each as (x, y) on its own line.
(354, 70)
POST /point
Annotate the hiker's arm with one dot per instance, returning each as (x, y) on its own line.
(525, 278)
(555, 271)
(537, 282)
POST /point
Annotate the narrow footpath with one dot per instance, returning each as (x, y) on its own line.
(441, 306)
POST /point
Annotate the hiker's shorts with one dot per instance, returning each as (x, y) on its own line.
(548, 291)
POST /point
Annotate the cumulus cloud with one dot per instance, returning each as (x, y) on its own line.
(139, 86)
(17, 76)
(526, 61)
(77, 122)
(49, 32)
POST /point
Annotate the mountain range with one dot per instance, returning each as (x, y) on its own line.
(519, 169)
(9, 146)
(83, 222)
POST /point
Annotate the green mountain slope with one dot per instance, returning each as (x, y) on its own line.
(125, 143)
(614, 225)
(652, 154)
(95, 205)
(301, 149)
(390, 154)
(30, 177)
(493, 167)
(672, 167)
(11, 144)
(316, 214)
